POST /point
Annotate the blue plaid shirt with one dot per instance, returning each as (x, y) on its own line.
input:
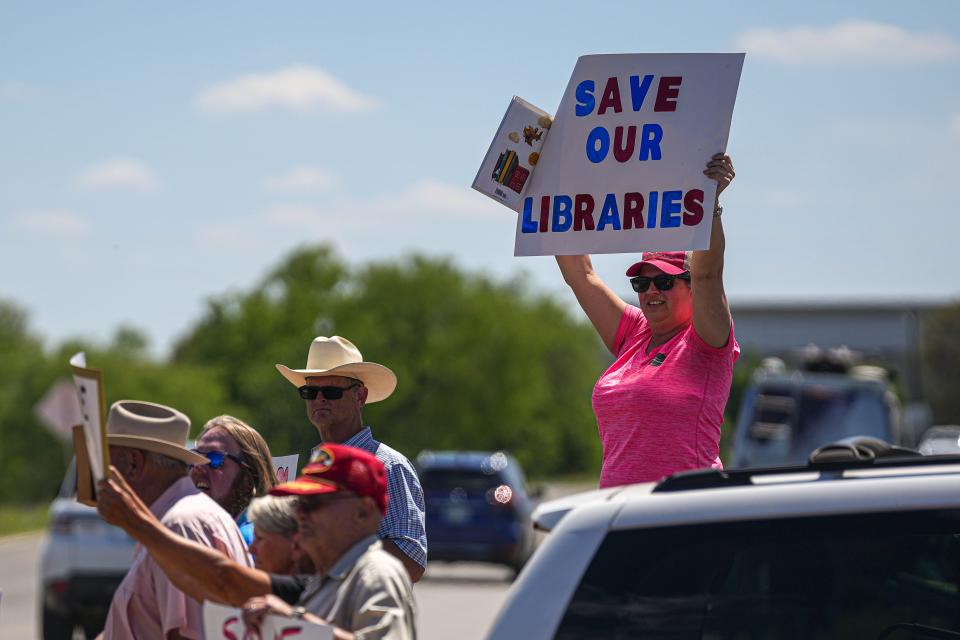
(404, 523)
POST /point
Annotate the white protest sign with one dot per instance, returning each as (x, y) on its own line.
(286, 467)
(226, 623)
(513, 154)
(622, 169)
(89, 384)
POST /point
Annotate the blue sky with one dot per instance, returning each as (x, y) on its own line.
(169, 153)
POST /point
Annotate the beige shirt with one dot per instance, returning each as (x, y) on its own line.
(367, 592)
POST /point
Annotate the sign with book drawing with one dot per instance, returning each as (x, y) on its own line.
(620, 167)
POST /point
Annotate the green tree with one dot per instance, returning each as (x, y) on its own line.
(481, 364)
(129, 372)
(27, 449)
(34, 459)
(242, 336)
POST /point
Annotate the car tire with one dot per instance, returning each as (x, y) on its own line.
(57, 626)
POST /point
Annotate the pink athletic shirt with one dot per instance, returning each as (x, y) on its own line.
(661, 412)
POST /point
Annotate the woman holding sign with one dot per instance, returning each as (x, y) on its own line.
(659, 406)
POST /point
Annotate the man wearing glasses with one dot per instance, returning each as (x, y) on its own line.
(358, 588)
(147, 447)
(335, 386)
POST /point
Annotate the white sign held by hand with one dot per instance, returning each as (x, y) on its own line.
(622, 169)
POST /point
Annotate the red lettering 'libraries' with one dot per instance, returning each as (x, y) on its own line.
(631, 210)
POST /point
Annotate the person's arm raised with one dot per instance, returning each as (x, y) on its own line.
(711, 313)
(200, 572)
(602, 306)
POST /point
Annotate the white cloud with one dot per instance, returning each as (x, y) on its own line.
(426, 199)
(955, 125)
(119, 174)
(301, 180)
(57, 222)
(849, 41)
(296, 88)
(338, 218)
(423, 199)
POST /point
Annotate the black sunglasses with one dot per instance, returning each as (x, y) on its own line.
(308, 392)
(662, 282)
(217, 458)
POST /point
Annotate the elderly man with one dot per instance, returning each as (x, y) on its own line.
(147, 448)
(357, 587)
(336, 384)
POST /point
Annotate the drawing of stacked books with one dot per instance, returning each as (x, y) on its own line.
(509, 172)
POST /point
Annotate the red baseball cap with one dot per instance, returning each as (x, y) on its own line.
(670, 262)
(335, 467)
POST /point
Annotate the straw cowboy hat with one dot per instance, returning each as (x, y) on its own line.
(151, 427)
(338, 356)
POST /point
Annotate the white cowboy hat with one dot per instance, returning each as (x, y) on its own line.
(338, 356)
(151, 427)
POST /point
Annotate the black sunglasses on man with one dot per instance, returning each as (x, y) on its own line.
(309, 392)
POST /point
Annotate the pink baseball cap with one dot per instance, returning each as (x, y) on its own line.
(670, 262)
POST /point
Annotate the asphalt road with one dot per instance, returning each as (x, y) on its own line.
(18, 585)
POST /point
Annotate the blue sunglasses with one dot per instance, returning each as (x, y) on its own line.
(217, 458)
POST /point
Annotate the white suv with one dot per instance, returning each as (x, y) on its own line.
(861, 542)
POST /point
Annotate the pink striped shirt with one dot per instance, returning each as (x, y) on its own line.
(146, 604)
(661, 412)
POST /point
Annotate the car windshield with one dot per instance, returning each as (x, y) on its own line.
(784, 424)
(855, 576)
(444, 481)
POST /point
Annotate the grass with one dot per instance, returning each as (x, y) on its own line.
(18, 519)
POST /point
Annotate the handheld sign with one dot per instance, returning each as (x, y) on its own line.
(622, 170)
(226, 623)
(514, 153)
(286, 467)
(85, 490)
(89, 384)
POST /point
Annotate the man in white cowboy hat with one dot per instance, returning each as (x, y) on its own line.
(336, 384)
(148, 449)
